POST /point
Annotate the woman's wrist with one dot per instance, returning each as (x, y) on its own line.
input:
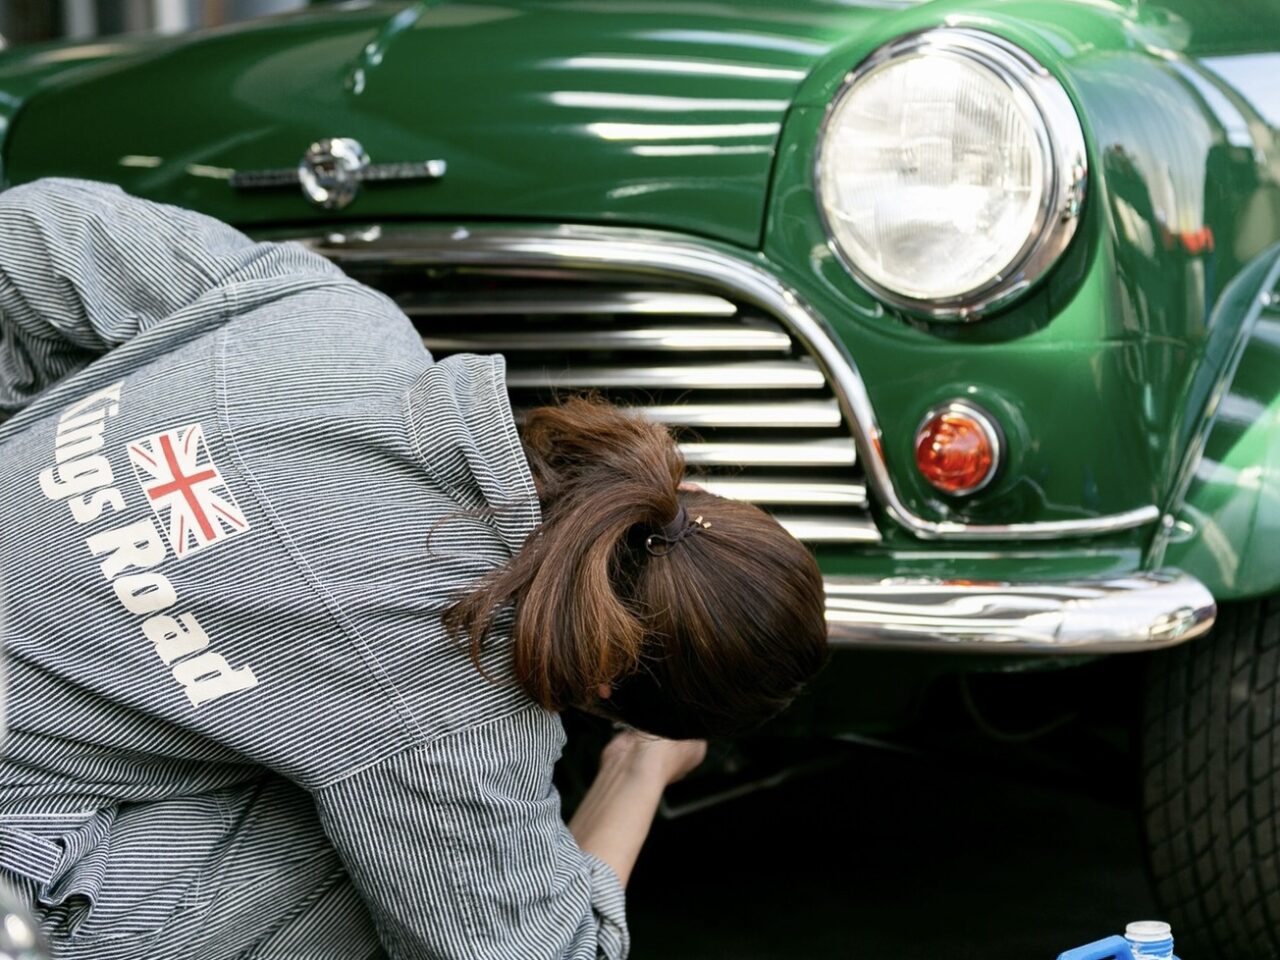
(639, 757)
(631, 765)
(614, 817)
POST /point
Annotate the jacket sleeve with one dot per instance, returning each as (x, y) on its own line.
(84, 268)
(459, 849)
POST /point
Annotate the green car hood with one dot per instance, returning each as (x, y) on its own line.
(647, 113)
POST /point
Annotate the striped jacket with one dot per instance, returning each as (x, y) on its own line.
(235, 495)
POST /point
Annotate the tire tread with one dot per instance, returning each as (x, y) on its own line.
(1211, 770)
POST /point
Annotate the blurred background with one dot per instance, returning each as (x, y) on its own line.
(29, 21)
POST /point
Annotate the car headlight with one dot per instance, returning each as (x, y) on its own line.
(950, 172)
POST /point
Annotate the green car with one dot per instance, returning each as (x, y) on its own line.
(980, 297)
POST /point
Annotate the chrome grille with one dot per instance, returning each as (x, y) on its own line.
(754, 414)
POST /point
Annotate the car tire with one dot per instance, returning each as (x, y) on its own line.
(1211, 745)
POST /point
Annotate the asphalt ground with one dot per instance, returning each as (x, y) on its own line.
(993, 854)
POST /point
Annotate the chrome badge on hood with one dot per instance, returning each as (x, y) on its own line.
(331, 171)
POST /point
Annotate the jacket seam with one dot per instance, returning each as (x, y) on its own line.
(427, 741)
(497, 392)
(415, 442)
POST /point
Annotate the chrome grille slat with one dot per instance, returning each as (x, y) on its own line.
(752, 410)
(820, 529)
(798, 374)
(783, 413)
(568, 303)
(787, 491)
(810, 453)
(675, 339)
(763, 416)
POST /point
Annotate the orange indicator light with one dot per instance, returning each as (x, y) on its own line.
(958, 448)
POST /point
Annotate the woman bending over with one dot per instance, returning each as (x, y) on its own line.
(291, 610)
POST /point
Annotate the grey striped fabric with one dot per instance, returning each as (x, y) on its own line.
(235, 495)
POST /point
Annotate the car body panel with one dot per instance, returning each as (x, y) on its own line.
(1093, 368)
(1225, 518)
(701, 120)
(28, 70)
(587, 112)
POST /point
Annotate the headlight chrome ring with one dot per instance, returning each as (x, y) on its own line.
(1059, 140)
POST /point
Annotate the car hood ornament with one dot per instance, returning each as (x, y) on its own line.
(331, 171)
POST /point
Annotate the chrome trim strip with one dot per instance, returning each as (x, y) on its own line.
(372, 173)
(331, 171)
(786, 492)
(405, 170)
(665, 339)
(642, 302)
(1253, 297)
(1062, 146)
(744, 375)
(661, 254)
(830, 529)
(1141, 611)
(836, 452)
(784, 413)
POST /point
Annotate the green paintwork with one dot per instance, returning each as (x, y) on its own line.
(701, 119)
(1206, 28)
(1228, 524)
(544, 111)
(26, 71)
(1100, 374)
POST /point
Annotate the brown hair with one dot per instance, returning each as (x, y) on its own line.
(709, 638)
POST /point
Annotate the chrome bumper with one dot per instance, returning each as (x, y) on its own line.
(1142, 611)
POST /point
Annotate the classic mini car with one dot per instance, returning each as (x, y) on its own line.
(980, 298)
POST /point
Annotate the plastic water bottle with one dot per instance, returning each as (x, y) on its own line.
(1142, 940)
(1150, 940)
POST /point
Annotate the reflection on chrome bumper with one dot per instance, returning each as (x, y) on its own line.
(1142, 611)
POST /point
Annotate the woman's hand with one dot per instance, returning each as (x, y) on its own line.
(641, 754)
(614, 817)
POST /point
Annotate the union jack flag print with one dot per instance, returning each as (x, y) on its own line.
(188, 494)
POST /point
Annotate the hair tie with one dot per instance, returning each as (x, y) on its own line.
(660, 543)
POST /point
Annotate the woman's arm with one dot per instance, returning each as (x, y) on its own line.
(614, 817)
(458, 848)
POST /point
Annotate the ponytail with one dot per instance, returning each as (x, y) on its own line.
(680, 635)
